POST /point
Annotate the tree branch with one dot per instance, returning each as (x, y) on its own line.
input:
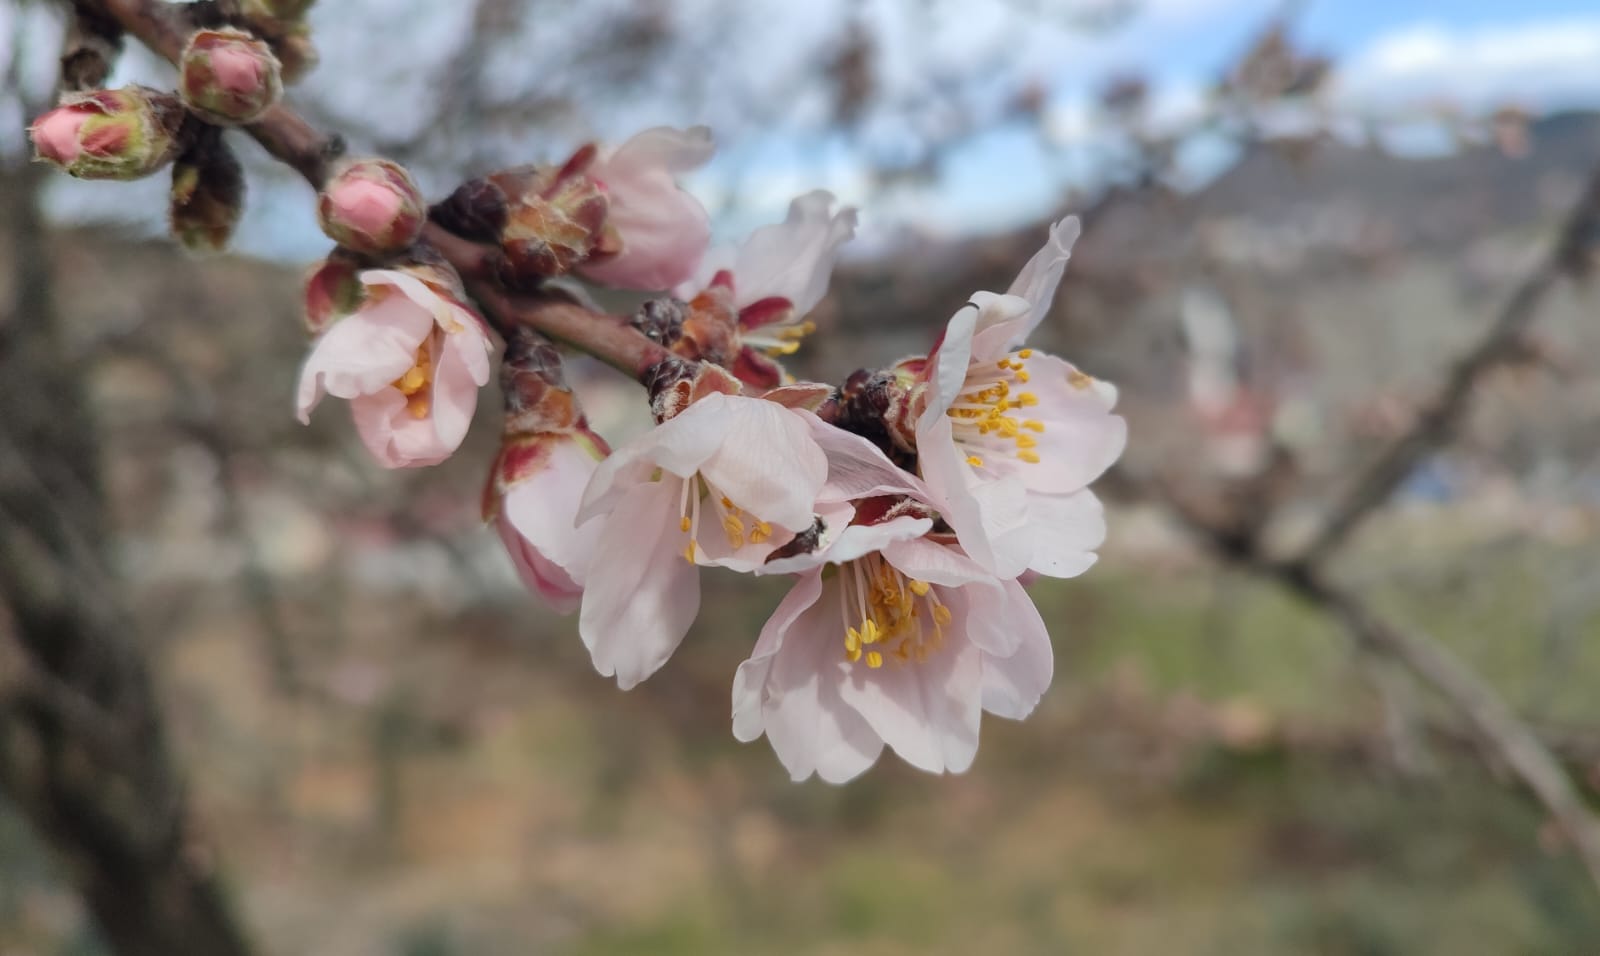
(1449, 406)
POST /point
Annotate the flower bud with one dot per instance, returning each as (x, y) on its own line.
(545, 218)
(372, 206)
(228, 76)
(207, 197)
(333, 291)
(110, 134)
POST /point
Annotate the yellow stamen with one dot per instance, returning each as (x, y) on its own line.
(1025, 353)
(919, 588)
(1027, 399)
(1031, 457)
(874, 660)
(975, 461)
(683, 523)
(761, 532)
(688, 552)
(1079, 380)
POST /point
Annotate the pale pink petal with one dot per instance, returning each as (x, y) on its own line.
(393, 436)
(541, 508)
(926, 560)
(990, 518)
(1081, 437)
(794, 259)
(1000, 317)
(948, 374)
(539, 574)
(678, 446)
(640, 595)
(1038, 279)
(927, 712)
(854, 541)
(767, 462)
(55, 134)
(363, 353)
(1013, 685)
(1071, 527)
(810, 727)
(664, 230)
(859, 469)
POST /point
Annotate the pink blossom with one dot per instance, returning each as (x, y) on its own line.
(663, 230)
(905, 641)
(55, 134)
(725, 482)
(410, 360)
(538, 485)
(772, 282)
(1010, 438)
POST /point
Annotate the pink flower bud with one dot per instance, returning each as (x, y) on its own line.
(110, 134)
(207, 197)
(228, 76)
(372, 206)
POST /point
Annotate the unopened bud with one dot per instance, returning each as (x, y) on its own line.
(372, 206)
(110, 134)
(546, 219)
(207, 196)
(333, 291)
(228, 76)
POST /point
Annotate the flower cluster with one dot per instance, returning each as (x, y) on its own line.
(907, 507)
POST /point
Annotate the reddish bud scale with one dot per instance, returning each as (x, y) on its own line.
(372, 206)
(228, 76)
(554, 218)
(110, 134)
(333, 291)
(710, 327)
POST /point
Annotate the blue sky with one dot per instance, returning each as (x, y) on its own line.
(1395, 58)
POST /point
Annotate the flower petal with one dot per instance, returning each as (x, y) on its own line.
(1038, 279)
(794, 259)
(927, 711)
(392, 435)
(664, 230)
(363, 353)
(1070, 527)
(1013, 685)
(859, 469)
(810, 727)
(640, 595)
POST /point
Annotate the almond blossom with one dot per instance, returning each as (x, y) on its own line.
(410, 359)
(1011, 437)
(893, 637)
(727, 481)
(662, 230)
(766, 287)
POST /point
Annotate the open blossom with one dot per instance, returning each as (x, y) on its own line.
(725, 482)
(1010, 437)
(899, 639)
(660, 231)
(410, 360)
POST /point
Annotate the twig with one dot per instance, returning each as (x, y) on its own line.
(1444, 413)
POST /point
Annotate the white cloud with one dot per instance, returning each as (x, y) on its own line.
(1540, 64)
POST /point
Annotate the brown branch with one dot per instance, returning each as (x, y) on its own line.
(1444, 413)
(293, 141)
(1485, 711)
